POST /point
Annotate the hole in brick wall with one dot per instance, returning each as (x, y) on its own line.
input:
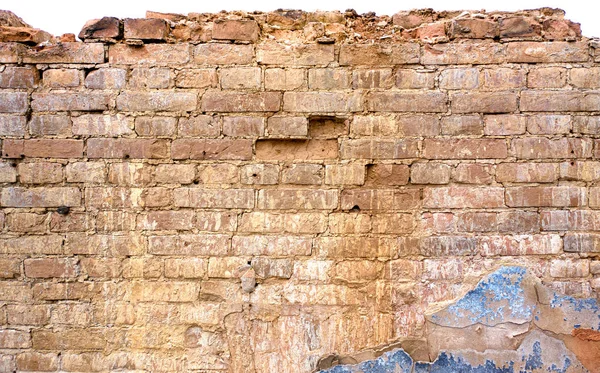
(355, 208)
(327, 127)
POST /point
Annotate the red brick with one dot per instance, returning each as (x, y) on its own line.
(415, 79)
(214, 198)
(130, 173)
(19, 77)
(464, 149)
(155, 126)
(199, 126)
(267, 222)
(50, 244)
(546, 196)
(381, 199)
(285, 79)
(230, 29)
(220, 173)
(379, 149)
(443, 246)
(89, 53)
(47, 148)
(303, 199)
(527, 172)
(294, 55)
(174, 173)
(387, 174)
(322, 102)
(459, 78)
(149, 54)
(561, 29)
(374, 54)
(547, 77)
(462, 125)
(101, 29)
(280, 126)
(430, 173)
(349, 223)
(13, 126)
(271, 245)
(473, 173)
(240, 149)
(302, 174)
(145, 28)
(190, 245)
(115, 221)
(10, 268)
(372, 78)
(50, 267)
(157, 101)
(504, 125)
(27, 222)
(574, 220)
(40, 173)
(14, 102)
(374, 125)
(427, 102)
(518, 221)
(544, 148)
(418, 125)
(552, 101)
(517, 245)
(102, 125)
(70, 101)
(473, 28)
(217, 101)
(85, 172)
(547, 52)
(42, 125)
(484, 102)
(475, 53)
(243, 126)
(463, 197)
(582, 242)
(223, 54)
(519, 27)
(446, 269)
(127, 148)
(260, 174)
(548, 124)
(355, 247)
(570, 268)
(393, 223)
(580, 170)
(296, 150)
(40, 197)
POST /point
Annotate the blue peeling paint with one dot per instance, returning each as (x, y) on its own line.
(446, 363)
(577, 304)
(395, 361)
(534, 360)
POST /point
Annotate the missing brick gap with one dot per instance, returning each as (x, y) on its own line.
(327, 127)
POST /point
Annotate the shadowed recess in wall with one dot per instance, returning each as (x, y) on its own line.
(508, 323)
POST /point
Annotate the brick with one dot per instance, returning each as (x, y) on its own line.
(374, 125)
(427, 102)
(463, 197)
(430, 173)
(243, 126)
(50, 267)
(229, 29)
(142, 268)
(546, 52)
(518, 245)
(217, 101)
(296, 150)
(574, 220)
(548, 124)
(62, 78)
(373, 54)
(519, 27)
(580, 170)
(418, 125)
(89, 53)
(372, 78)
(415, 79)
(442, 269)
(107, 245)
(157, 101)
(233, 149)
(271, 245)
(28, 314)
(273, 268)
(569, 268)
(502, 78)
(71, 339)
(188, 268)
(544, 148)
(47, 148)
(129, 173)
(349, 223)
(459, 79)
(13, 126)
(260, 174)
(287, 126)
(71, 314)
(294, 55)
(302, 199)
(10, 338)
(10, 268)
(379, 149)
(40, 173)
(106, 78)
(322, 102)
(329, 78)
(221, 173)
(190, 245)
(40, 197)
(588, 77)
(102, 125)
(223, 54)
(442, 246)
(380, 199)
(64, 291)
(13, 102)
(153, 78)
(145, 28)
(210, 221)
(552, 101)
(345, 174)
(504, 125)
(174, 173)
(196, 78)
(302, 174)
(518, 221)
(155, 126)
(582, 242)
(285, 79)
(464, 149)
(480, 102)
(355, 247)
(115, 221)
(8, 174)
(546, 196)
(27, 222)
(85, 172)
(527, 172)
(477, 222)
(473, 28)
(127, 148)
(547, 77)
(214, 198)
(387, 174)
(112, 197)
(267, 222)
(19, 77)
(462, 125)
(393, 223)
(356, 271)
(70, 101)
(44, 125)
(240, 77)
(476, 53)
(199, 126)
(149, 54)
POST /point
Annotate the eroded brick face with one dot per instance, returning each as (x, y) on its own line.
(350, 183)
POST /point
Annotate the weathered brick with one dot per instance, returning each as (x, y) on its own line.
(379, 149)
(302, 174)
(190, 245)
(154, 77)
(43, 125)
(322, 102)
(19, 77)
(218, 101)
(345, 174)
(459, 79)
(547, 52)
(518, 221)
(271, 245)
(10, 268)
(504, 125)
(372, 78)
(547, 77)
(297, 150)
(70, 339)
(374, 125)
(13, 126)
(580, 170)
(462, 125)
(46, 148)
(544, 148)
(302, 199)
(232, 29)
(242, 126)
(62, 78)
(155, 126)
(102, 125)
(426, 102)
(294, 55)
(548, 124)
(115, 221)
(484, 102)
(267, 222)
(588, 77)
(196, 78)
(442, 246)
(355, 247)
(199, 126)
(418, 125)
(65, 53)
(221, 173)
(261, 174)
(527, 172)
(174, 173)
(240, 77)
(106, 78)
(13, 102)
(223, 54)
(463, 197)
(50, 267)
(393, 223)
(373, 54)
(85, 172)
(40, 197)
(570, 220)
(551, 101)
(546, 196)
(73, 222)
(70, 101)
(569, 268)
(129, 173)
(28, 314)
(40, 173)
(582, 242)
(415, 79)
(27, 222)
(430, 173)
(285, 79)
(517, 245)
(149, 54)
(145, 28)
(329, 78)
(287, 126)
(387, 174)
(186, 268)
(356, 271)
(380, 199)
(502, 78)
(127, 148)
(464, 149)
(11, 338)
(475, 53)
(477, 222)
(214, 198)
(236, 149)
(349, 223)
(8, 173)
(157, 101)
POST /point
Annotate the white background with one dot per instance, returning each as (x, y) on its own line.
(68, 16)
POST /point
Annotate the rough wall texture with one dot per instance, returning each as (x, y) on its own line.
(260, 192)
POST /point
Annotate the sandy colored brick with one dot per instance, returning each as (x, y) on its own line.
(62, 78)
(284, 79)
(240, 78)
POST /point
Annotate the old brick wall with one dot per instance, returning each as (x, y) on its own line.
(361, 170)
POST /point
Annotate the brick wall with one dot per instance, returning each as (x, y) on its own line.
(250, 192)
